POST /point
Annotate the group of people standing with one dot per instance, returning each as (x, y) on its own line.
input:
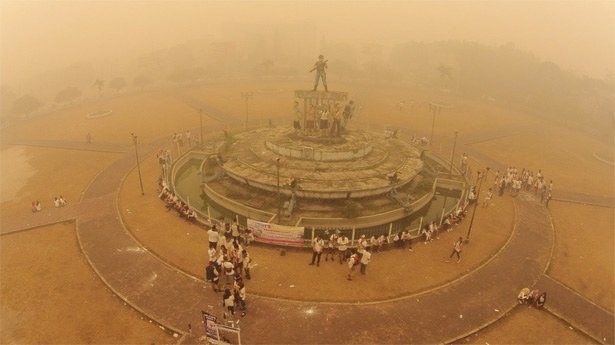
(57, 202)
(179, 139)
(36, 206)
(229, 263)
(324, 120)
(514, 181)
(336, 247)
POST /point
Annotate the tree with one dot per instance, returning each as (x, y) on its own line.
(117, 84)
(26, 105)
(68, 95)
(7, 97)
(141, 81)
(445, 72)
(99, 83)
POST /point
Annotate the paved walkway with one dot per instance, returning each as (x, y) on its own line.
(577, 310)
(71, 145)
(174, 299)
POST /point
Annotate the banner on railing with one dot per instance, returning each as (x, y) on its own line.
(276, 234)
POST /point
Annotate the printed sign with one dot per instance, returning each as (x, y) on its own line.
(276, 234)
(211, 327)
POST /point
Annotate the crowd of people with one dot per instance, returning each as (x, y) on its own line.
(336, 247)
(431, 231)
(514, 181)
(180, 139)
(229, 263)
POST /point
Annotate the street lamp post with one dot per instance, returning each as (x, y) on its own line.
(453, 153)
(277, 166)
(479, 179)
(435, 108)
(201, 118)
(450, 173)
(134, 140)
(246, 96)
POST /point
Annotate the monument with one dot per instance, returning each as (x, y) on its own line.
(318, 173)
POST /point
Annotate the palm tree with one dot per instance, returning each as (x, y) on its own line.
(445, 71)
(99, 83)
(117, 84)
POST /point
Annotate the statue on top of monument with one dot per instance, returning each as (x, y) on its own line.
(320, 67)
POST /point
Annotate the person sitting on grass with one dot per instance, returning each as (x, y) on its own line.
(541, 300)
(523, 295)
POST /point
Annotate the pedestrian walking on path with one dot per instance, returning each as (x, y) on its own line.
(457, 250)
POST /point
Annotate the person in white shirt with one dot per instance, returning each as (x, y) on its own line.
(317, 246)
(365, 258)
(213, 237)
(332, 246)
(213, 254)
(361, 244)
(229, 271)
(342, 247)
(352, 262)
(228, 299)
(235, 231)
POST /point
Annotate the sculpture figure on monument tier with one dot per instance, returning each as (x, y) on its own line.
(321, 74)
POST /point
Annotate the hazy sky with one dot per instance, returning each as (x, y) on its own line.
(36, 36)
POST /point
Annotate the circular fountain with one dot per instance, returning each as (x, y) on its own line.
(316, 178)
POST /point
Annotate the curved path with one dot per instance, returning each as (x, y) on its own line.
(441, 315)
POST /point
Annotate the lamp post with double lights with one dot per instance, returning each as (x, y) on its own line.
(201, 118)
(277, 166)
(479, 179)
(434, 108)
(453, 153)
(450, 173)
(135, 141)
(247, 96)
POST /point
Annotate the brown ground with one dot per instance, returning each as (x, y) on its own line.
(50, 295)
(580, 230)
(393, 272)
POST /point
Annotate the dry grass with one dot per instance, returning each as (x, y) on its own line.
(36, 173)
(583, 257)
(50, 295)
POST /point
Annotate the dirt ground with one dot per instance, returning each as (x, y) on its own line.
(29, 172)
(393, 272)
(50, 295)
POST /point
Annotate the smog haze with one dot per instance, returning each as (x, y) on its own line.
(41, 36)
